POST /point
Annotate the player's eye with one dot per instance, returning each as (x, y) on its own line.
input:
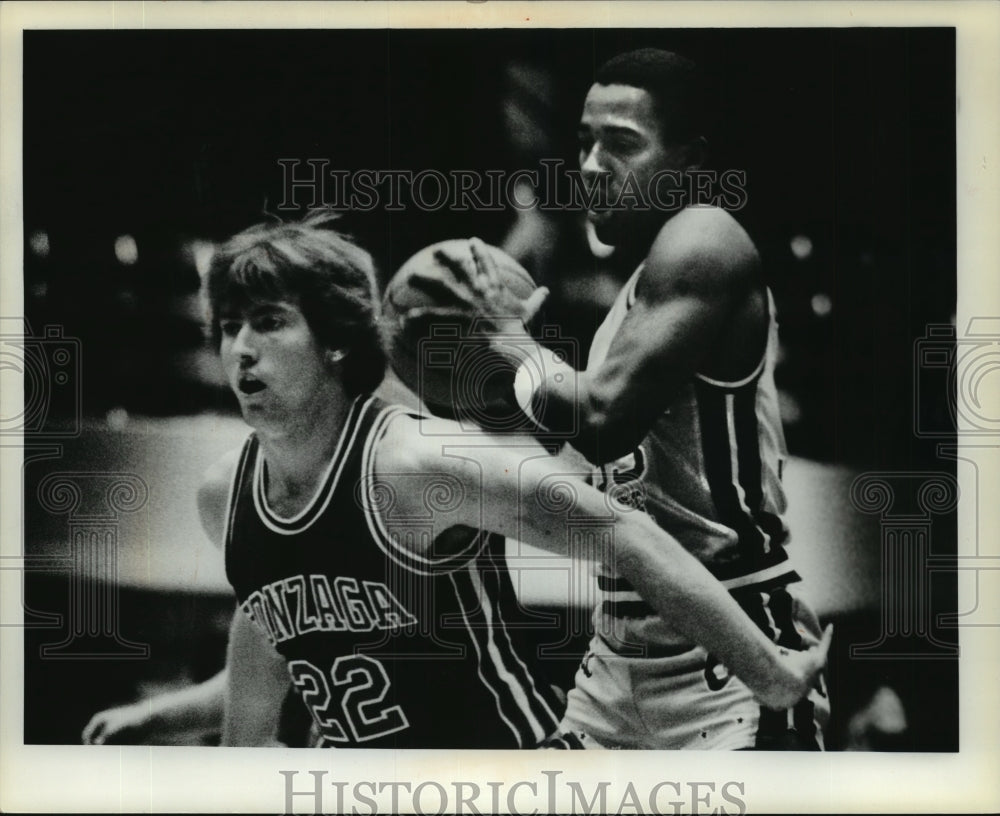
(621, 144)
(267, 323)
(230, 328)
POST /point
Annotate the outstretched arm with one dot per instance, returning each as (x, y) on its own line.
(196, 709)
(513, 487)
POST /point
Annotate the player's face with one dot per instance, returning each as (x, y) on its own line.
(621, 147)
(273, 362)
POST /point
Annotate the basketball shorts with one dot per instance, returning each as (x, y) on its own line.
(686, 701)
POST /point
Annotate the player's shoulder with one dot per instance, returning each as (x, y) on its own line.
(413, 441)
(429, 444)
(213, 493)
(702, 247)
(219, 475)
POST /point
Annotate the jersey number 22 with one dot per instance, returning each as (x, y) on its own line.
(360, 684)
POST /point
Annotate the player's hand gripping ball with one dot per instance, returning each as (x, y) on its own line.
(455, 318)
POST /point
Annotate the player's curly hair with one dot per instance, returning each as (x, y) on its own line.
(676, 84)
(322, 271)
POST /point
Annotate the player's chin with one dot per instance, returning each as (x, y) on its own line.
(250, 401)
(606, 226)
(255, 410)
(599, 217)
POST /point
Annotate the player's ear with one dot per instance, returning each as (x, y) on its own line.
(335, 355)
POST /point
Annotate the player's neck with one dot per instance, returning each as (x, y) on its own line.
(629, 254)
(298, 453)
(628, 257)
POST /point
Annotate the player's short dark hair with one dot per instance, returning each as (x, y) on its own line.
(676, 84)
(329, 277)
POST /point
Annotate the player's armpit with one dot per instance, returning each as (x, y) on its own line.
(256, 684)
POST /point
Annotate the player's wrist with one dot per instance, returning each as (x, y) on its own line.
(760, 669)
(778, 684)
(526, 388)
(508, 326)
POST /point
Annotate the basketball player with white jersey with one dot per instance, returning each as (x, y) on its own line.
(678, 399)
(364, 542)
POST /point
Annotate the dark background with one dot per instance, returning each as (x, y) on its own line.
(847, 137)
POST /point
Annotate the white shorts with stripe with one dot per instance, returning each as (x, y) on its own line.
(679, 701)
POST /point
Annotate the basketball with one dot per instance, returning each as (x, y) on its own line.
(425, 356)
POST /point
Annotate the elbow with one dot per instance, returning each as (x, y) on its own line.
(605, 435)
(635, 554)
(594, 427)
(602, 426)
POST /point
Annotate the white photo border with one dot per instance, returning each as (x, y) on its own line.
(37, 778)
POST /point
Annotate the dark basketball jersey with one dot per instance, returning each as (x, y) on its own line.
(387, 648)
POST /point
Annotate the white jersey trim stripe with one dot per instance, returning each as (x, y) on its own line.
(772, 318)
(632, 284)
(327, 485)
(513, 685)
(237, 480)
(759, 577)
(527, 674)
(415, 562)
(376, 527)
(479, 663)
(736, 383)
(734, 467)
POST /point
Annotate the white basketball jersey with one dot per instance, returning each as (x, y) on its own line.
(709, 472)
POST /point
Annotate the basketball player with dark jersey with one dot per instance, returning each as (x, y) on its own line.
(677, 400)
(364, 543)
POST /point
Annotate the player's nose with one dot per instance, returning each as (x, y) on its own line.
(590, 166)
(244, 345)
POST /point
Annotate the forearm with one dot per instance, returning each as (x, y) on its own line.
(197, 707)
(572, 404)
(685, 593)
(546, 493)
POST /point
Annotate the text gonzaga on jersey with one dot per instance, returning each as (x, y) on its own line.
(314, 603)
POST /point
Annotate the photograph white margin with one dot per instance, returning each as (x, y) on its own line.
(143, 779)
